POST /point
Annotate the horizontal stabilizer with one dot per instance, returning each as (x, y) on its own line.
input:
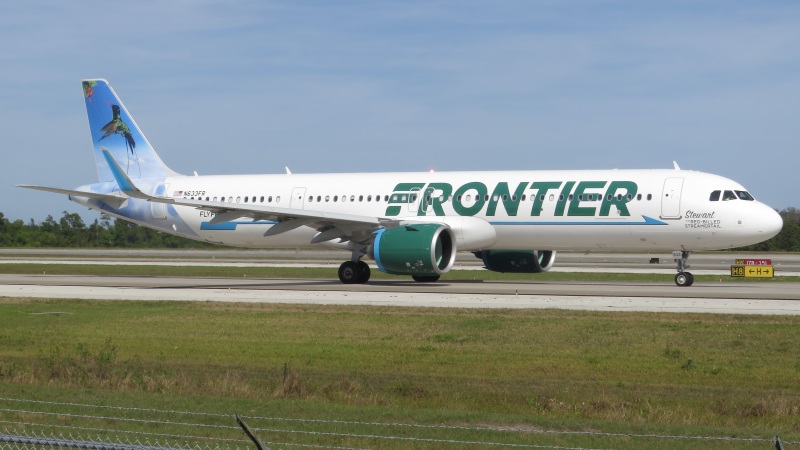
(114, 200)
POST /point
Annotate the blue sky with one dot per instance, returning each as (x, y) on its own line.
(352, 86)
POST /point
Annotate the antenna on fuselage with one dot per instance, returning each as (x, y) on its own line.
(675, 163)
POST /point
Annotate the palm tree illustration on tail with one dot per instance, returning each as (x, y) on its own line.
(117, 126)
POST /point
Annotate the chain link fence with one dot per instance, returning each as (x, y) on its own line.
(37, 424)
(12, 438)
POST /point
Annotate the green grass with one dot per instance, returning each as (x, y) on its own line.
(684, 374)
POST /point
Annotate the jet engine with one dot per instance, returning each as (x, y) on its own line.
(421, 250)
(517, 261)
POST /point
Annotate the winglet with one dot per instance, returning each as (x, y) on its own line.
(124, 182)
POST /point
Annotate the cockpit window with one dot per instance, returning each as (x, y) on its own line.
(728, 195)
(744, 195)
(714, 196)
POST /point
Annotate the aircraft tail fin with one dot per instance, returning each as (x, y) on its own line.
(112, 127)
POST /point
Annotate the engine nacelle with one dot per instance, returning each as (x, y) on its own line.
(517, 261)
(420, 249)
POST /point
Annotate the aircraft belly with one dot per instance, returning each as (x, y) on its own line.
(592, 237)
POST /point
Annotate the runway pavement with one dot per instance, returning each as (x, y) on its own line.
(723, 297)
(708, 263)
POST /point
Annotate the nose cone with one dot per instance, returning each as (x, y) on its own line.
(769, 223)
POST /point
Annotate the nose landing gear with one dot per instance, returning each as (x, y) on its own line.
(683, 278)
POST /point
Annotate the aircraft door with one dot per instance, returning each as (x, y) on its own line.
(671, 198)
(413, 196)
(159, 210)
(298, 198)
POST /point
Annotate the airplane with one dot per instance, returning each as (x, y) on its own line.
(414, 223)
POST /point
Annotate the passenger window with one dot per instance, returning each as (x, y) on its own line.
(245, 199)
(649, 197)
(361, 198)
(327, 198)
(638, 196)
(728, 195)
(714, 196)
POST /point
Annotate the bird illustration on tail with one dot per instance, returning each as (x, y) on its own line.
(118, 126)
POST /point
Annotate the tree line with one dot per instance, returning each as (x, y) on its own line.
(71, 231)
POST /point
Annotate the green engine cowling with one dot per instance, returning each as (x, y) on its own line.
(418, 249)
(517, 261)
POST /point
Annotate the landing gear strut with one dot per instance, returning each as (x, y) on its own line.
(683, 278)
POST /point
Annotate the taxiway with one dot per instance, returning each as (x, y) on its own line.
(724, 297)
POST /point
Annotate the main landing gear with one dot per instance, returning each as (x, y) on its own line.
(354, 272)
(683, 278)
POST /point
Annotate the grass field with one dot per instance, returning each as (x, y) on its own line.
(628, 373)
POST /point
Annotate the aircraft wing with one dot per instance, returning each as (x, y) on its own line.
(347, 227)
(330, 225)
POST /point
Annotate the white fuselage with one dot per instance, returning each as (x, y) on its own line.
(554, 210)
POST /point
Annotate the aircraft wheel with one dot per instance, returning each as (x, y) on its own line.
(425, 279)
(349, 272)
(364, 272)
(684, 279)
